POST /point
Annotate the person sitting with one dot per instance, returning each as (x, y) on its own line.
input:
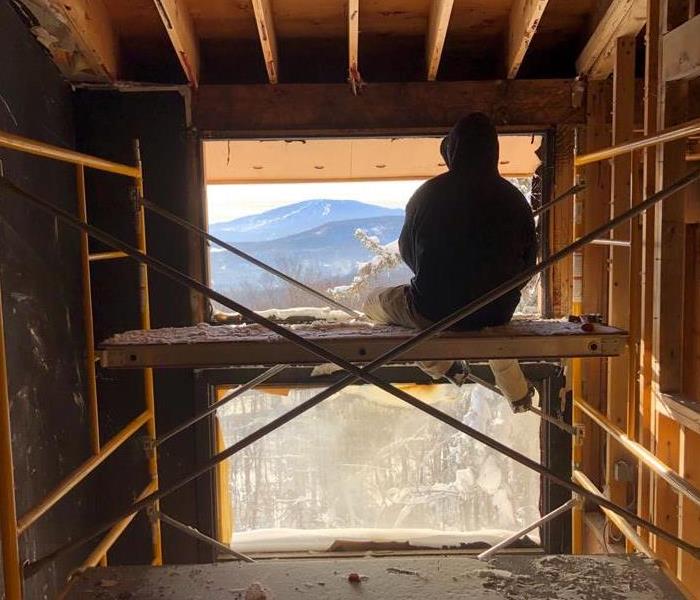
(465, 232)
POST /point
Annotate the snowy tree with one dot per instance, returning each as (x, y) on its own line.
(386, 257)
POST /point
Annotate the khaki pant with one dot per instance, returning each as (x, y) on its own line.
(391, 306)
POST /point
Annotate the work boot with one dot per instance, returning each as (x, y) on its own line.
(523, 404)
(458, 373)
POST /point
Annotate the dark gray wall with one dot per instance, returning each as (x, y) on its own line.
(41, 289)
(41, 285)
(106, 125)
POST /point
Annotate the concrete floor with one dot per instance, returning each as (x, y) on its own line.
(509, 577)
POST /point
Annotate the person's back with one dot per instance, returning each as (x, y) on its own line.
(467, 231)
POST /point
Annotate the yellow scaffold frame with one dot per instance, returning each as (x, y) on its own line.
(12, 526)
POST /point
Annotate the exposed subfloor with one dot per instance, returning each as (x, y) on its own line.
(509, 577)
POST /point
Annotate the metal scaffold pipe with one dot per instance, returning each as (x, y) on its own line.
(678, 132)
(198, 535)
(678, 483)
(239, 391)
(247, 257)
(366, 372)
(486, 554)
(579, 187)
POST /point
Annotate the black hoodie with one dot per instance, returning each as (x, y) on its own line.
(467, 230)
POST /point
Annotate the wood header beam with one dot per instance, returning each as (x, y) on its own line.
(440, 12)
(623, 18)
(524, 19)
(382, 109)
(681, 52)
(268, 38)
(180, 29)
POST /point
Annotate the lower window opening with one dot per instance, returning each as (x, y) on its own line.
(365, 471)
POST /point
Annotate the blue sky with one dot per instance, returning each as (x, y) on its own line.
(228, 202)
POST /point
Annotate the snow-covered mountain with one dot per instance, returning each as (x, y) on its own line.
(324, 252)
(296, 218)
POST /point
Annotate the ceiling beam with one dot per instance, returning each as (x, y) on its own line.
(440, 12)
(524, 19)
(623, 18)
(268, 39)
(178, 24)
(353, 39)
(80, 37)
(260, 111)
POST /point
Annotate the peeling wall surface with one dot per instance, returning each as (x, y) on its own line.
(41, 289)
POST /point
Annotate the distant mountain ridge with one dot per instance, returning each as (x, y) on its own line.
(328, 250)
(336, 235)
(296, 218)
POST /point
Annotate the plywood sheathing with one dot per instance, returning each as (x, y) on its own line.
(239, 161)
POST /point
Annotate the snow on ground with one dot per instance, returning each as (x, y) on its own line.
(321, 540)
(366, 467)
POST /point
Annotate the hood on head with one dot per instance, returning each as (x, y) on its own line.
(471, 144)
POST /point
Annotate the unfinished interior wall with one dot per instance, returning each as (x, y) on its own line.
(41, 292)
(653, 284)
(107, 124)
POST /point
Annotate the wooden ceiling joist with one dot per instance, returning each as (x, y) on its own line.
(92, 50)
(178, 24)
(623, 18)
(524, 19)
(268, 38)
(353, 39)
(440, 12)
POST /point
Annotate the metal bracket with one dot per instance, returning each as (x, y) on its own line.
(623, 471)
(152, 514)
(148, 444)
(134, 201)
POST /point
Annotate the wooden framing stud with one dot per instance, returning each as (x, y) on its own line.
(178, 24)
(651, 87)
(595, 210)
(619, 294)
(268, 38)
(440, 13)
(524, 19)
